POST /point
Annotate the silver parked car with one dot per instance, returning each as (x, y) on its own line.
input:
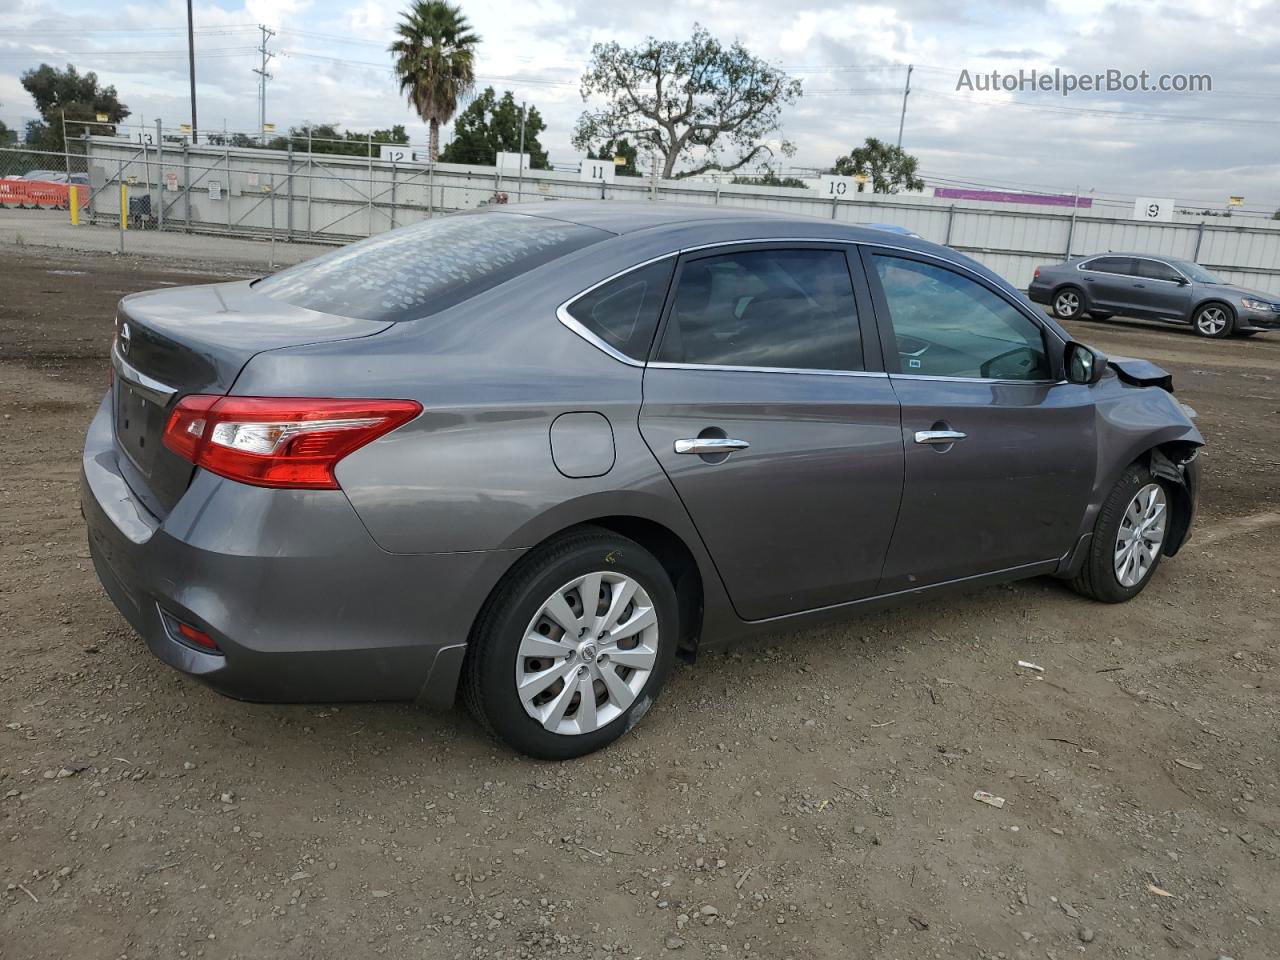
(1154, 288)
(534, 454)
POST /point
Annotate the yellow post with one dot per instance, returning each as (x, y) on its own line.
(124, 205)
(75, 205)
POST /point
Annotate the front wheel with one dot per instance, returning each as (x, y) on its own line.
(574, 647)
(1068, 303)
(1213, 320)
(1128, 538)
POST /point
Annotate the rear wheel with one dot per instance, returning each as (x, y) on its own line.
(573, 649)
(1128, 538)
(1214, 320)
(1068, 303)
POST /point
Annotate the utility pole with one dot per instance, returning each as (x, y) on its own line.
(263, 77)
(906, 92)
(191, 61)
(520, 177)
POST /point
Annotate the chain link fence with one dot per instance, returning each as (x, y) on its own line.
(318, 190)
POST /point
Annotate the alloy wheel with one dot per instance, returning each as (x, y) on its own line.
(1141, 535)
(587, 653)
(1212, 321)
(1066, 304)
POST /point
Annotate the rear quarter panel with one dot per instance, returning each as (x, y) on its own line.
(475, 470)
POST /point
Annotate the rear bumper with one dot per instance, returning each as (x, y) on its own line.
(1039, 292)
(302, 603)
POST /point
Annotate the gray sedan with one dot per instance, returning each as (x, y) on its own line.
(534, 455)
(1154, 288)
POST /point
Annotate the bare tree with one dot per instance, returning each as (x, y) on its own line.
(680, 98)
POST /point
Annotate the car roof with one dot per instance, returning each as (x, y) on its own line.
(622, 217)
(1142, 256)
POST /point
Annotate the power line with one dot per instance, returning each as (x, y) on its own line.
(1097, 111)
(224, 28)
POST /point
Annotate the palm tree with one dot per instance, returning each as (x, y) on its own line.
(435, 61)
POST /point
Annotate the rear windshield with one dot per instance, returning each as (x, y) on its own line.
(425, 268)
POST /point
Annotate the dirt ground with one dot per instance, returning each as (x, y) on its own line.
(810, 797)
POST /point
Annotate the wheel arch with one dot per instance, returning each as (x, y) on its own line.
(1069, 285)
(668, 546)
(1213, 300)
(1177, 464)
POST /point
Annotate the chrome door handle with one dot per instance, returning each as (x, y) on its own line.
(939, 436)
(710, 445)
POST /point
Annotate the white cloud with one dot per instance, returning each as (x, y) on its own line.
(849, 57)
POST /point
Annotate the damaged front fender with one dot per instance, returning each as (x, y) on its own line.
(1178, 464)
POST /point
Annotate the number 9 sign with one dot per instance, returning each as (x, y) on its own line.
(1153, 208)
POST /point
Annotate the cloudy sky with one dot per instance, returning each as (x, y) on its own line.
(331, 66)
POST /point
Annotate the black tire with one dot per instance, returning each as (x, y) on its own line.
(489, 677)
(1095, 315)
(1097, 578)
(1214, 320)
(1068, 303)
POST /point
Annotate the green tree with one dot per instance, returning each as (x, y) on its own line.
(768, 178)
(66, 97)
(326, 138)
(490, 125)
(890, 168)
(5, 134)
(435, 62)
(611, 149)
(698, 96)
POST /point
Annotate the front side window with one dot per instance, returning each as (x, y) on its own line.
(947, 325)
(1197, 273)
(790, 309)
(1155, 270)
(416, 271)
(624, 312)
(1120, 265)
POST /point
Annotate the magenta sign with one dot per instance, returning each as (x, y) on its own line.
(1003, 196)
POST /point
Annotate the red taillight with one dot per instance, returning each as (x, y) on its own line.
(1037, 273)
(279, 441)
(198, 637)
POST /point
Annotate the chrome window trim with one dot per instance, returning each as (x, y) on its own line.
(665, 365)
(1083, 266)
(149, 387)
(565, 318)
(926, 376)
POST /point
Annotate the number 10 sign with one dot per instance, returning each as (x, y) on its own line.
(838, 188)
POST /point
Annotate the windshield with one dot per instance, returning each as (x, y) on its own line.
(425, 268)
(1196, 272)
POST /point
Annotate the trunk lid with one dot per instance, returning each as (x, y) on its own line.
(171, 343)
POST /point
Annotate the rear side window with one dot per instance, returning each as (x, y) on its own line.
(425, 268)
(624, 312)
(1121, 265)
(790, 309)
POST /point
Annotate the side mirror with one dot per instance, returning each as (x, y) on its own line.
(1181, 281)
(1085, 365)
